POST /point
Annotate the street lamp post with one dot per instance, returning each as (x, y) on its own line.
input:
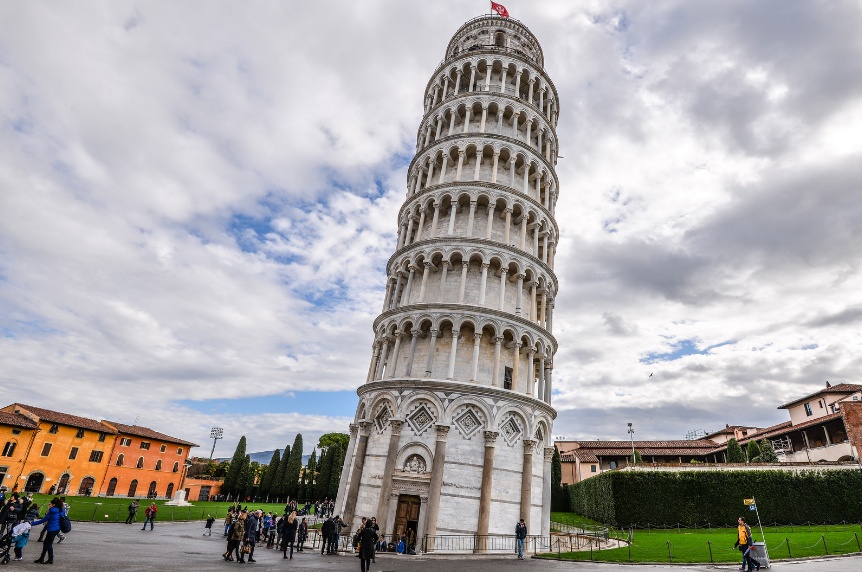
(217, 433)
(632, 437)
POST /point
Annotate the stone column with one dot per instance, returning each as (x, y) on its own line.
(453, 209)
(421, 224)
(485, 494)
(490, 224)
(472, 77)
(356, 476)
(503, 276)
(520, 293)
(464, 265)
(459, 74)
(533, 286)
(429, 179)
(455, 335)
(461, 155)
(442, 177)
(420, 526)
(451, 122)
(471, 219)
(432, 233)
(483, 284)
(395, 426)
(532, 82)
(523, 241)
(549, 370)
(444, 274)
(516, 366)
(467, 112)
(541, 393)
(527, 481)
(387, 296)
(531, 371)
(398, 336)
(345, 469)
(549, 322)
(495, 375)
(494, 166)
(436, 484)
(477, 337)
(546, 492)
(408, 236)
(518, 83)
(409, 371)
(476, 173)
(405, 299)
(507, 229)
(424, 281)
(381, 365)
(375, 355)
(484, 119)
(431, 347)
(503, 80)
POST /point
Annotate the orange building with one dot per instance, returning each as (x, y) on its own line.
(201, 489)
(67, 454)
(16, 438)
(144, 462)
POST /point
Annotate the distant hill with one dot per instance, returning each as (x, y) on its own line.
(263, 457)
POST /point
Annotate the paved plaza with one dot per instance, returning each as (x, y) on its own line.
(93, 547)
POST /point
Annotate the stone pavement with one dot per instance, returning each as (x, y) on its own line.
(94, 547)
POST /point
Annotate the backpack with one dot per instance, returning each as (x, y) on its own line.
(65, 523)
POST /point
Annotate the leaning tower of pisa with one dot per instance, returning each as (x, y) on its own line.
(452, 432)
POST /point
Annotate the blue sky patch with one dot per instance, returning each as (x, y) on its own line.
(333, 403)
(681, 349)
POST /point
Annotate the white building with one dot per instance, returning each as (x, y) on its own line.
(452, 431)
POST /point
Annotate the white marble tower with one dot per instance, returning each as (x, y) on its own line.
(452, 431)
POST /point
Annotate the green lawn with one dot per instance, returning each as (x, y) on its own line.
(114, 509)
(716, 544)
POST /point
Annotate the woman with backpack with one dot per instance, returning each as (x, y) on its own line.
(53, 518)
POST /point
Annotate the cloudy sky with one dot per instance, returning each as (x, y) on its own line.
(197, 201)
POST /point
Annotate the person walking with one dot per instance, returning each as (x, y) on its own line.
(251, 524)
(150, 513)
(301, 534)
(236, 533)
(208, 527)
(289, 534)
(133, 511)
(326, 534)
(367, 540)
(52, 520)
(228, 520)
(745, 542)
(520, 536)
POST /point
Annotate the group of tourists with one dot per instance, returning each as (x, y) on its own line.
(18, 515)
(245, 529)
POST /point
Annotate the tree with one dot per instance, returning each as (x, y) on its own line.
(321, 486)
(636, 458)
(245, 482)
(337, 460)
(311, 473)
(277, 487)
(753, 451)
(767, 453)
(221, 469)
(734, 452)
(327, 440)
(271, 470)
(231, 479)
(294, 466)
(559, 501)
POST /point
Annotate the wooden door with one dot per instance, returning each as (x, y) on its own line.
(407, 513)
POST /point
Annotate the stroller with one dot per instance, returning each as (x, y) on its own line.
(6, 546)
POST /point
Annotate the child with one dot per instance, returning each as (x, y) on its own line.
(209, 526)
(20, 536)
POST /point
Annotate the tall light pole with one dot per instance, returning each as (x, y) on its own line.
(217, 433)
(632, 436)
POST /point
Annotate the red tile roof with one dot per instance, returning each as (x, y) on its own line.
(846, 388)
(782, 429)
(148, 433)
(645, 448)
(49, 416)
(17, 420)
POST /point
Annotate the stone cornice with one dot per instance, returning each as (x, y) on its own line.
(458, 388)
(458, 240)
(468, 185)
(464, 309)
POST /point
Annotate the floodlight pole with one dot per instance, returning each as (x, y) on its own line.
(216, 433)
(632, 436)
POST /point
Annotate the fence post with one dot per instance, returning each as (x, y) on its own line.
(630, 547)
(669, 554)
(823, 538)
(172, 515)
(94, 514)
(591, 551)
(118, 513)
(856, 536)
(787, 540)
(710, 550)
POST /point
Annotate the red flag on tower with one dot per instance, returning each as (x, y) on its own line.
(500, 9)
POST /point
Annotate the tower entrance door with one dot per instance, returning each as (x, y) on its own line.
(407, 517)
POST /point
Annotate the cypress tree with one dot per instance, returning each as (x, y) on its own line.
(325, 466)
(310, 474)
(335, 470)
(734, 452)
(767, 452)
(753, 451)
(556, 470)
(245, 479)
(234, 471)
(269, 476)
(294, 466)
(276, 488)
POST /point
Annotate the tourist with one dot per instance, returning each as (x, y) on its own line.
(367, 540)
(20, 535)
(326, 535)
(251, 524)
(745, 543)
(267, 524)
(208, 527)
(376, 528)
(279, 529)
(302, 534)
(235, 534)
(133, 511)
(336, 533)
(52, 520)
(150, 514)
(289, 534)
(228, 520)
(520, 536)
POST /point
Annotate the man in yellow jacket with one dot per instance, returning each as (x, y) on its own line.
(744, 542)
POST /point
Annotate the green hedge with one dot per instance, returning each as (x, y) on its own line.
(698, 498)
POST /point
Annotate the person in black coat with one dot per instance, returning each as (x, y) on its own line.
(290, 527)
(326, 533)
(367, 540)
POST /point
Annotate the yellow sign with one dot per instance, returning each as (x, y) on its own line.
(748, 502)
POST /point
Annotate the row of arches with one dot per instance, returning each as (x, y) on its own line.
(453, 213)
(152, 490)
(467, 415)
(472, 277)
(494, 353)
(474, 160)
(36, 480)
(121, 459)
(520, 41)
(492, 116)
(494, 74)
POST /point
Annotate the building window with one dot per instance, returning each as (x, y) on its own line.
(125, 442)
(145, 445)
(163, 448)
(54, 428)
(808, 409)
(133, 487)
(507, 378)
(9, 449)
(102, 437)
(96, 457)
(73, 454)
(176, 467)
(592, 468)
(140, 463)
(79, 434)
(46, 449)
(18, 431)
(613, 464)
(120, 459)
(180, 451)
(159, 465)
